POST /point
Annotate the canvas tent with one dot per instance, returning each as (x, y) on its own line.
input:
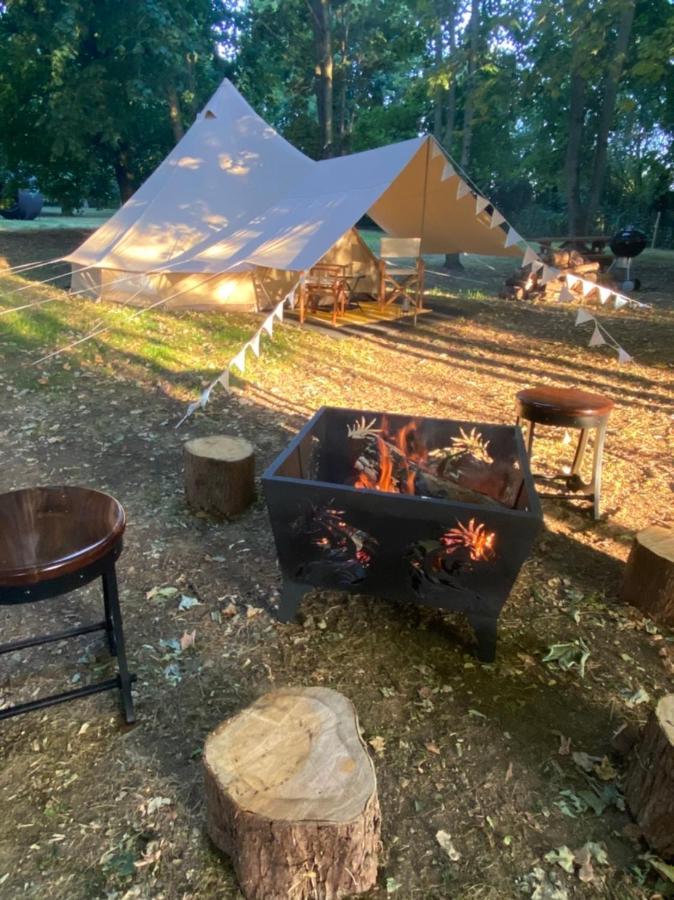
(235, 214)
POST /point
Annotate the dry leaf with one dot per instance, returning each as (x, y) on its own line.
(378, 744)
(444, 838)
(188, 639)
(432, 747)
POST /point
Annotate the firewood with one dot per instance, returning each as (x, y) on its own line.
(291, 797)
(649, 786)
(559, 258)
(584, 267)
(649, 576)
(219, 474)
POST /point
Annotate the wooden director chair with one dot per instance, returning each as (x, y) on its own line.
(401, 282)
(324, 280)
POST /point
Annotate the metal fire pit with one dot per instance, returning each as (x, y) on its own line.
(435, 550)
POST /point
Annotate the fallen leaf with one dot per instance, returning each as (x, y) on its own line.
(432, 748)
(444, 838)
(188, 639)
(378, 744)
(187, 603)
(562, 856)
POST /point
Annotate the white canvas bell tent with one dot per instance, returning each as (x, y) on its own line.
(235, 214)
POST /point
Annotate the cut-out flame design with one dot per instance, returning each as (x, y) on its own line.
(474, 537)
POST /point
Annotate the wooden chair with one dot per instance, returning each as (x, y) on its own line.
(399, 282)
(324, 280)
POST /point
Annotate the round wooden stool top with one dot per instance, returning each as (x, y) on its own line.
(47, 532)
(562, 406)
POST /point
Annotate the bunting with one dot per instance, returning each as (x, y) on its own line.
(600, 335)
(481, 204)
(496, 219)
(512, 238)
(530, 257)
(565, 295)
(239, 361)
(447, 172)
(436, 150)
(462, 189)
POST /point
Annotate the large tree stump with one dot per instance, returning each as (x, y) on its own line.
(219, 474)
(649, 787)
(291, 797)
(649, 577)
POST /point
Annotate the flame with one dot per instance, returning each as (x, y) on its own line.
(411, 449)
(474, 537)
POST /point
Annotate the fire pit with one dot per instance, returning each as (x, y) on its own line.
(440, 512)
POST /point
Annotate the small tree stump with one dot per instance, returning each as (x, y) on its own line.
(219, 474)
(291, 797)
(649, 787)
(649, 577)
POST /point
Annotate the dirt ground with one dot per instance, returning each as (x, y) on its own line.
(517, 761)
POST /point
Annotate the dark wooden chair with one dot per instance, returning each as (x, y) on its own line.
(570, 408)
(52, 541)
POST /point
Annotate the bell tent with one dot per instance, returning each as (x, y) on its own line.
(235, 214)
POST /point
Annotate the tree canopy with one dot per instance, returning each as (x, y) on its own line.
(561, 110)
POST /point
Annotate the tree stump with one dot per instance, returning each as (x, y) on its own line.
(649, 787)
(291, 797)
(219, 474)
(649, 577)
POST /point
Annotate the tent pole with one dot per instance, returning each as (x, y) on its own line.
(420, 263)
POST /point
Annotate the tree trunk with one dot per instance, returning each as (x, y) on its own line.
(291, 797)
(607, 114)
(320, 21)
(125, 178)
(453, 261)
(175, 113)
(649, 786)
(450, 111)
(438, 92)
(469, 102)
(219, 474)
(649, 574)
(572, 162)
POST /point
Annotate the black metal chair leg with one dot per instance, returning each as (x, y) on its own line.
(109, 624)
(110, 588)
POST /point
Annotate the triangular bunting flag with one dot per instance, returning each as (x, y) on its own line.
(224, 379)
(278, 310)
(462, 190)
(597, 339)
(623, 356)
(620, 301)
(254, 343)
(536, 265)
(549, 274)
(604, 294)
(240, 360)
(496, 219)
(436, 150)
(584, 316)
(447, 172)
(587, 286)
(571, 280)
(530, 257)
(205, 396)
(480, 205)
(565, 295)
(188, 412)
(268, 324)
(513, 238)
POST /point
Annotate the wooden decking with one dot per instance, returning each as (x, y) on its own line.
(367, 313)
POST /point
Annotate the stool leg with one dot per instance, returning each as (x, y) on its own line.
(597, 463)
(110, 589)
(580, 451)
(109, 624)
(530, 438)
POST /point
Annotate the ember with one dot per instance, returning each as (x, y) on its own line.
(443, 513)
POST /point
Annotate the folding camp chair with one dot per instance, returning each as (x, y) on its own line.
(324, 281)
(401, 282)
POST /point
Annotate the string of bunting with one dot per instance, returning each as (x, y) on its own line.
(239, 361)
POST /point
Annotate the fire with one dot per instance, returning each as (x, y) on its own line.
(474, 537)
(401, 450)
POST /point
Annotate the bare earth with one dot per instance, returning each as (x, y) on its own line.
(514, 760)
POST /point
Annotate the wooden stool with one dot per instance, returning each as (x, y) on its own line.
(52, 541)
(570, 408)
